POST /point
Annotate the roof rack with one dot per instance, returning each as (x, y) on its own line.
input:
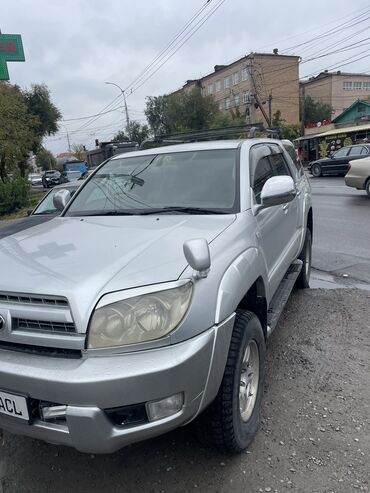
(239, 131)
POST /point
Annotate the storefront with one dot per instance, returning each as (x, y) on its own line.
(321, 145)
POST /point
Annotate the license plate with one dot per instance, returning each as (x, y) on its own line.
(13, 405)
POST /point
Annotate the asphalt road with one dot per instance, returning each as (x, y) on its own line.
(341, 229)
(315, 427)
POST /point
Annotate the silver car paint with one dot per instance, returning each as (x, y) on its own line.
(84, 259)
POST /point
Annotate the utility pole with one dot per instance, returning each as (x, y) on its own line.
(270, 108)
(124, 102)
(68, 140)
(255, 95)
(303, 116)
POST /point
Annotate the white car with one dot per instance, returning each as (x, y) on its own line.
(34, 179)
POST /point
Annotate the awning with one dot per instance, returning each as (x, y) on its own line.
(336, 131)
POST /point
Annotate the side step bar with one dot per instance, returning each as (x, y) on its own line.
(281, 296)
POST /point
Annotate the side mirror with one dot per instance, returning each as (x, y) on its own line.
(197, 254)
(277, 190)
(61, 199)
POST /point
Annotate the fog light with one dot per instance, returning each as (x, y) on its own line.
(53, 412)
(165, 407)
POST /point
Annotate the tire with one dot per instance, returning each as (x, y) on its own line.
(367, 187)
(316, 170)
(224, 423)
(303, 280)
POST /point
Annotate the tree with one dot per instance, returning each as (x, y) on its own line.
(40, 105)
(316, 112)
(290, 132)
(180, 112)
(136, 130)
(120, 137)
(79, 151)
(17, 131)
(45, 159)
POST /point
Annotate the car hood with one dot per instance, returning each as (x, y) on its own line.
(84, 258)
(24, 223)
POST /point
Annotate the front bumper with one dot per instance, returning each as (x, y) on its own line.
(92, 385)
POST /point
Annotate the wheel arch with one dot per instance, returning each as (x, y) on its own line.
(254, 300)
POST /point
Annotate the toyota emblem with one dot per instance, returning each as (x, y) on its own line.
(2, 322)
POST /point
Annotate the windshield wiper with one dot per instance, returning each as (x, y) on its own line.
(183, 210)
(106, 213)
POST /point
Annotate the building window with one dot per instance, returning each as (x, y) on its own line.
(236, 99)
(245, 75)
(227, 82)
(221, 105)
(246, 97)
(235, 78)
(218, 85)
(210, 89)
(366, 86)
(227, 103)
(357, 86)
(347, 86)
(361, 109)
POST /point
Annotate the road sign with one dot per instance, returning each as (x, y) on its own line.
(11, 50)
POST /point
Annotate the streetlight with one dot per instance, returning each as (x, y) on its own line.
(126, 110)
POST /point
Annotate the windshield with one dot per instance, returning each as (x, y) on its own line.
(47, 205)
(203, 180)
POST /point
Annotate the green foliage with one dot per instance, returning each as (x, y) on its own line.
(316, 112)
(136, 131)
(290, 132)
(13, 195)
(120, 137)
(17, 135)
(45, 159)
(180, 112)
(39, 104)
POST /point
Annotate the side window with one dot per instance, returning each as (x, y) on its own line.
(342, 152)
(262, 172)
(355, 151)
(296, 161)
(279, 165)
(364, 151)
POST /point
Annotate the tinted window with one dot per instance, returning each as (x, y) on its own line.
(279, 165)
(262, 172)
(355, 151)
(293, 154)
(342, 152)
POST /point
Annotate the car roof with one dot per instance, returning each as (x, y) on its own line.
(197, 146)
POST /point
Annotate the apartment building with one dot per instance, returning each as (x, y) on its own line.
(338, 89)
(266, 78)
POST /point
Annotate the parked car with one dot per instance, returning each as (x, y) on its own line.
(337, 163)
(51, 178)
(43, 212)
(35, 179)
(70, 176)
(358, 175)
(148, 302)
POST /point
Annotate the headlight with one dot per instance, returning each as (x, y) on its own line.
(139, 319)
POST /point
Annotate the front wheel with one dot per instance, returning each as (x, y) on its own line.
(316, 170)
(303, 280)
(232, 420)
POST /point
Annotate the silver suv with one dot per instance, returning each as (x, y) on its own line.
(148, 302)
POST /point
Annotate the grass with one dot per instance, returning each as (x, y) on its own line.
(34, 198)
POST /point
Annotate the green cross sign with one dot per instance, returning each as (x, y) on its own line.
(11, 50)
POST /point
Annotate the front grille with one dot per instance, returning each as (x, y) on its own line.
(41, 350)
(42, 326)
(31, 299)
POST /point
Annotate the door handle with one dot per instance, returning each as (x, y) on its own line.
(298, 193)
(285, 208)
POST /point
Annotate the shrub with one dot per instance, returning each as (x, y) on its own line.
(13, 195)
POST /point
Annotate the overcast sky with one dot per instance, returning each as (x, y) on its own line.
(74, 46)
